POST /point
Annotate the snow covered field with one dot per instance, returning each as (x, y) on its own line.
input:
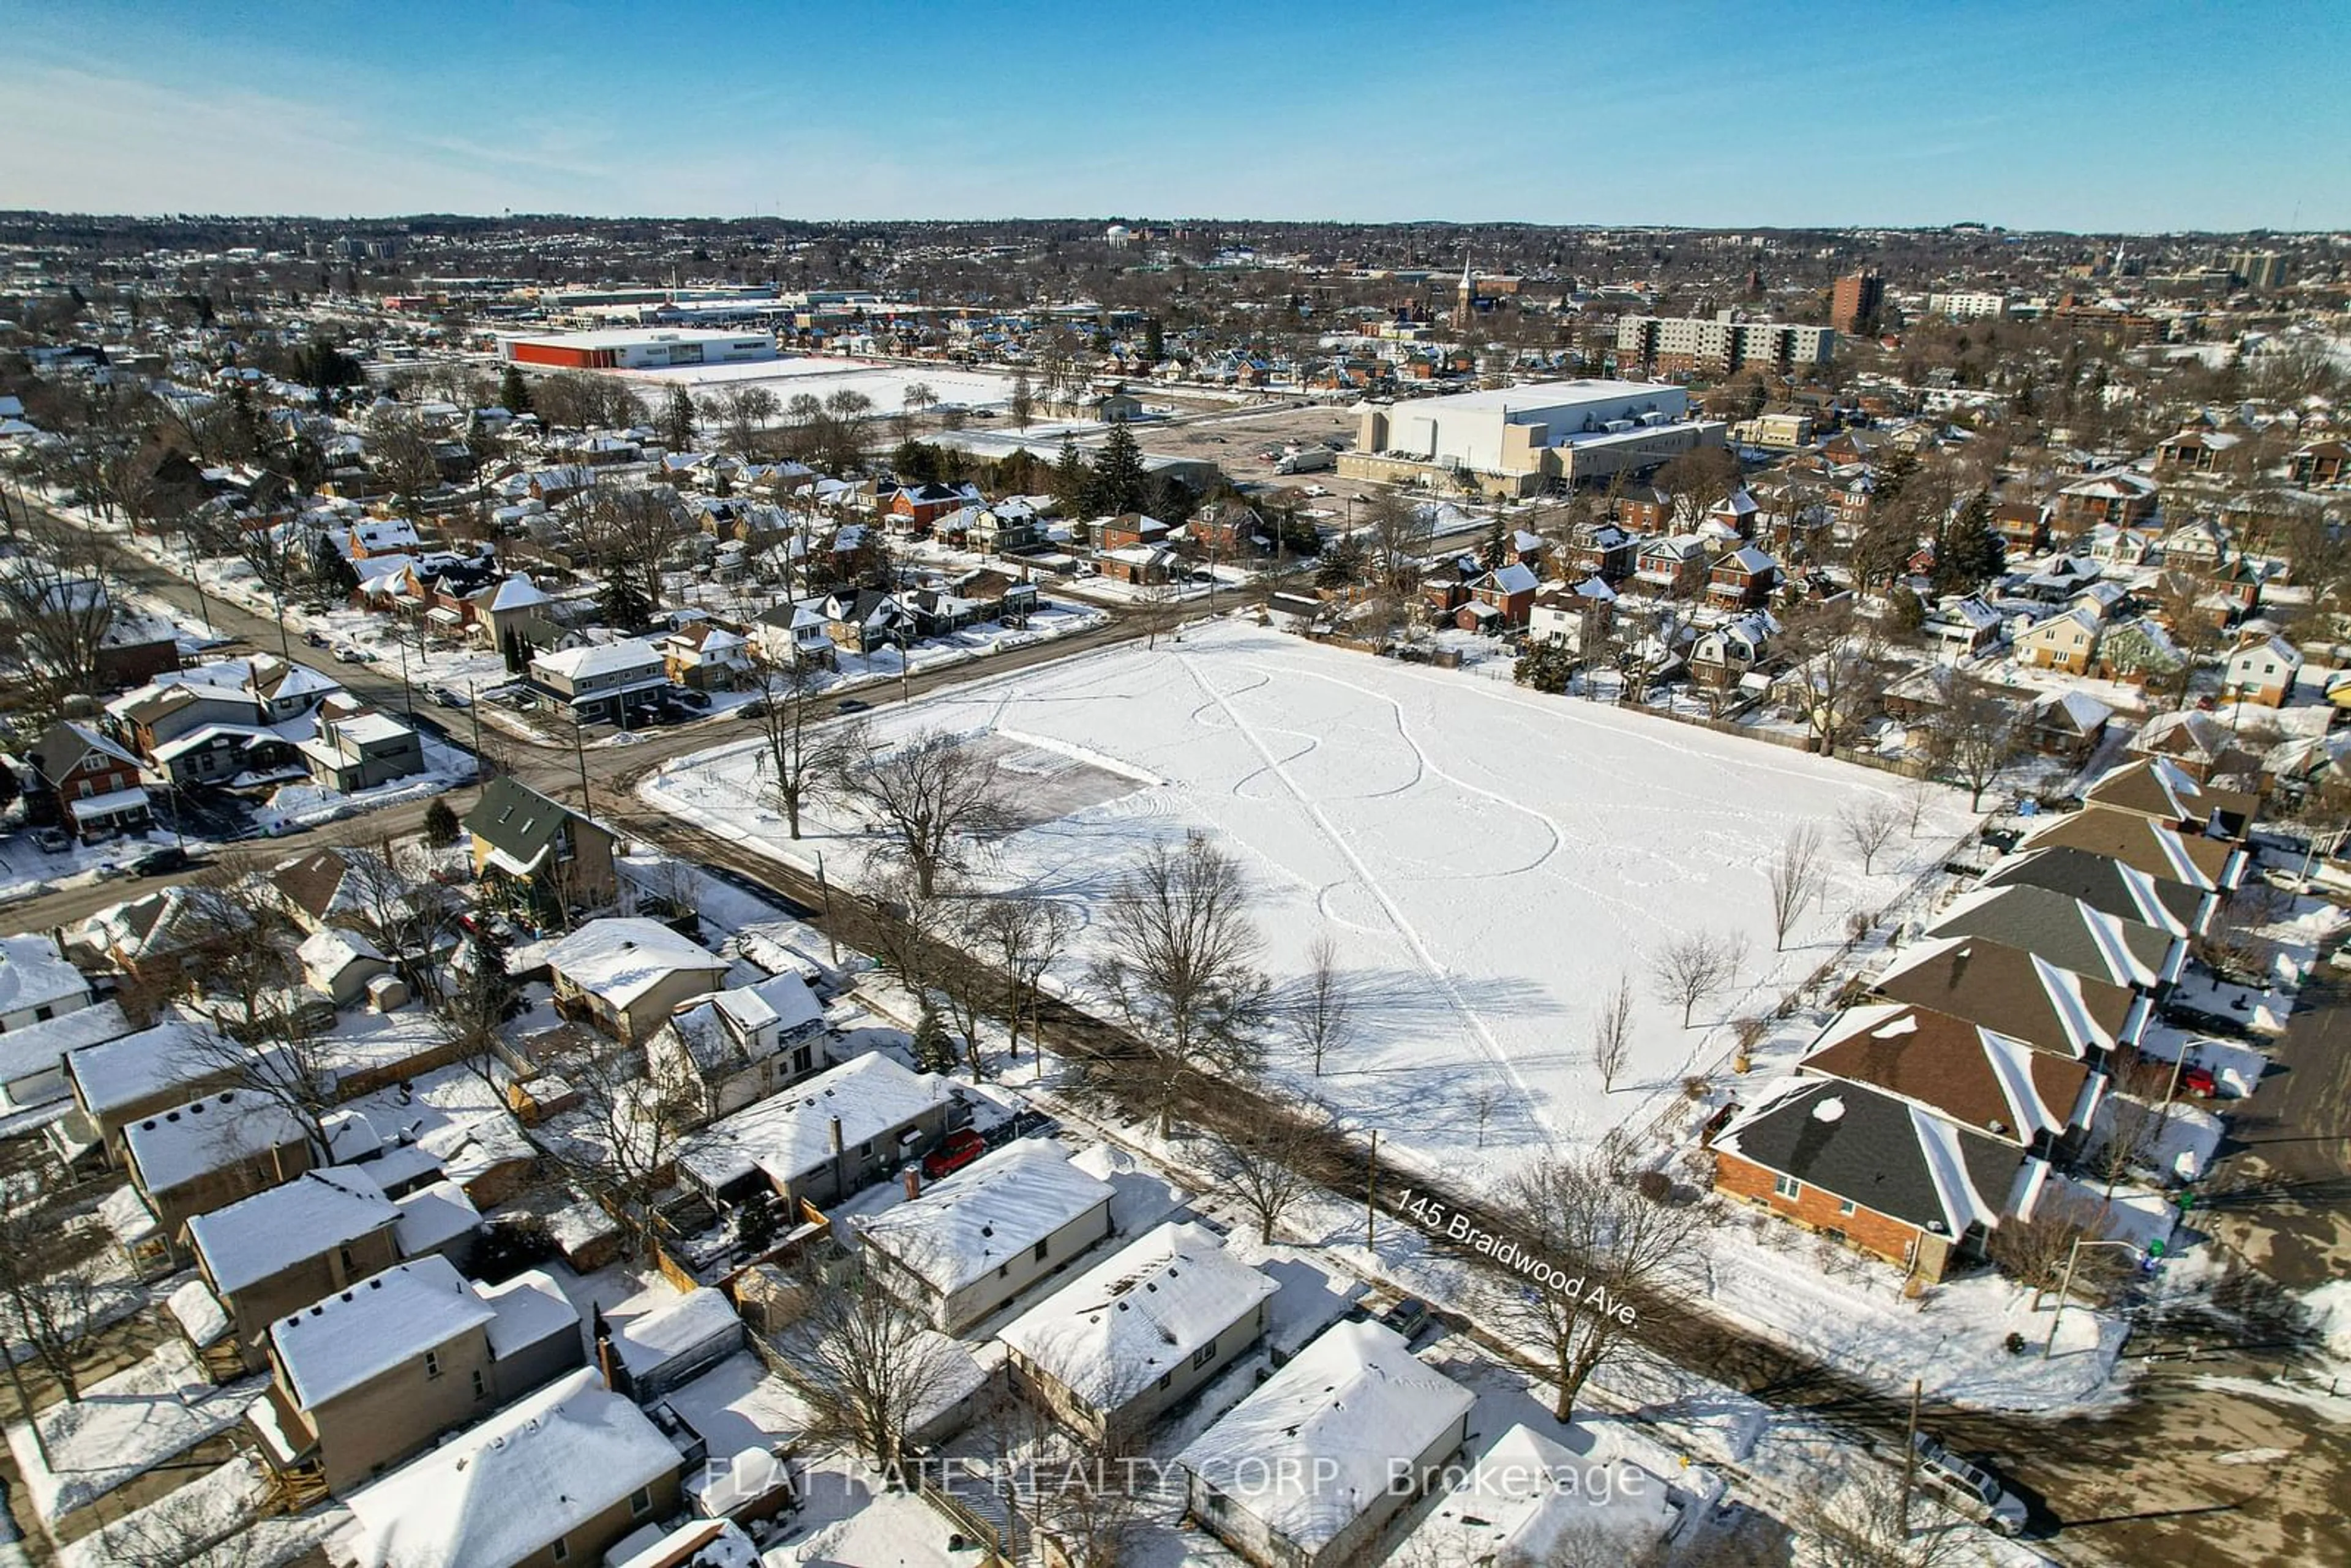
(1487, 860)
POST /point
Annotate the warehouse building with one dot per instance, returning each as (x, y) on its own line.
(1517, 441)
(636, 348)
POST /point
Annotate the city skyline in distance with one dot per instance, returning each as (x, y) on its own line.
(2106, 119)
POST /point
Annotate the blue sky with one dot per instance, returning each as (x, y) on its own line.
(2091, 115)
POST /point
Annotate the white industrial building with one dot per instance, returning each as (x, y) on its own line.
(636, 348)
(1519, 438)
(1967, 306)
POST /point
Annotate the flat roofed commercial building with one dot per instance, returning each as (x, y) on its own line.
(1520, 439)
(636, 348)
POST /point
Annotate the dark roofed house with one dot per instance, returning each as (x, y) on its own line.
(89, 782)
(1875, 1172)
(1962, 1071)
(2111, 887)
(2212, 864)
(2162, 791)
(2069, 934)
(2018, 994)
(542, 855)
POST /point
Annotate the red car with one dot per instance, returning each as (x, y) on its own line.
(2199, 1081)
(958, 1149)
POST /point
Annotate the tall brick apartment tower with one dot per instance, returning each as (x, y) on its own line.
(1854, 302)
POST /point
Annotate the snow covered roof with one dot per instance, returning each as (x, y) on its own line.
(34, 974)
(330, 949)
(271, 1231)
(991, 1211)
(1516, 577)
(1310, 1449)
(2019, 993)
(42, 1047)
(622, 957)
(333, 1346)
(627, 657)
(1527, 1498)
(173, 1148)
(1112, 1332)
(433, 1215)
(573, 1449)
(519, 592)
(790, 1134)
(674, 1331)
(531, 1309)
(121, 1072)
(2064, 930)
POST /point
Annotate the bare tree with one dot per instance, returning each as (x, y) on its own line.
(409, 916)
(1869, 828)
(1796, 875)
(619, 1143)
(2035, 1250)
(805, 762)
(1981, 732)
(1612, 1032)
(401, 452)
(1182, 959)
(1320, 1011)
(1484, 1101)
(1623, 1254)
(1263, 1162)
(744, 413)
(1028, 933)
(629, 531)
(910, 942)
(864, 1363)
(1696, 966)
(55, 612)
(1398, 529)
(1842, 670)
(1084, 1497)
(50, 1290)
(931, 795)
(1868, 1522)
(1023, 406)
(1915, 798)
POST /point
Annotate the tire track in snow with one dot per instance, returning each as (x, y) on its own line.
(1404, 927)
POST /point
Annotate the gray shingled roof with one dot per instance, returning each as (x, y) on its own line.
(2102, 884)
(1869, 1152)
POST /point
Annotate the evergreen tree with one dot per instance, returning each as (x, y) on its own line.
(511, 646)
(334, 570)
(439, 823)
(677, 420)
(1155, 342)
(1119, 481)
(933, 1052)
(623, 604)
(1546, 666)
(1968, 551)
(513, 393)
(1496, 546)
(1072, 485)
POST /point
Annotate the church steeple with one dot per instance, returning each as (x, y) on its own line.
(1465, 302)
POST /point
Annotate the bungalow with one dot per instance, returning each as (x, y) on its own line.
(2067, 642)
(627, 975)
(2017, 993)
(739, 1046)
(599, 683)
(2069, 725)
(1529, 1500)
(1674, 566)
(1138, 1333)
(988, 1232)
(90, 784)
(340, 964)
(1579, 617)
(822, 1139)
(2206, 864)
(594, 1466)
(1875, 1172)
(2163, 792)
(2069, 934)
(37, 983)
(2262, 670)
(1963, 1073)
(2110, 887)
(1306, 1471)
(1137, 564)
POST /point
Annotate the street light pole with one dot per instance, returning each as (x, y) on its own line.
(2072, 1255)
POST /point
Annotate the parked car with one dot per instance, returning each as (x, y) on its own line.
(347, 654)
(1408, 1317)
(51, 841)
(1969, 1488)
(2198, 1082)
(159, 862)
(756, 708)
(698, 701)
(448, 696)
(852, 705)
(958, 1149)
(316, 639)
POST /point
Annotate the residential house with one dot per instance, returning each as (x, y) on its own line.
(1444, 584)
(33, 1060)
(2319, 463)
(1602, 549)
(126, 1079)
(2017, 993)
(738, 1046)
(788, 633)
(825, 1138)
(2163, 792)
(2069, 934)
(2199, 544)
(1642, 509)
(275, 1253)
(867, 618)
(342, 965)
(1504, 595)
(2195, 450)
(37, 983)
(627, 975)
(594, 1468)
(1004, 527)
(1724, 654)
(89, 784)
(2262, 670)
(2067, 642)
(538, 854)
(377, 1372)
(706, 657)
(1675, 566)
(1873, 1171)
(1140, 565)
(599, 683)
(1977, 1077)
(1579, 617)
(2022, 526)
(1306, 1471)
(1962, 625)
(2203, 746)
(2110, 887)
(357, 748)
(499, 617)
(1528, 1499)
(2206, 864)
(1138, 1333)
(197, 1157)
(2118, 497)
(988, 1232)
(2069, 725)
(913, 508)
(1736, 514)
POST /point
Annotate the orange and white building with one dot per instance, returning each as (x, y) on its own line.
(636, 348)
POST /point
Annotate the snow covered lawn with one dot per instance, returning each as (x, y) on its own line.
(124, 1426)
(1487, 860)
(211, 1522)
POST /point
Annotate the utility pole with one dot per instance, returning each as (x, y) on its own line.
(1371, 1199)
(580, 753)
(1910, 1467)
(825, 888)
(474, 705)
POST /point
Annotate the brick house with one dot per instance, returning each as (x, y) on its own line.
(2022, 526)
(2320, 463)
(1508, 591)
(88, 782)
(1675, 566)
(1601, 550)
(1642, 509)
(1743, 579)
(2119, 499)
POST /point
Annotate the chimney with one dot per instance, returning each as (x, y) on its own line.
(608, 1364)
(840, 1163)
(913, 1181)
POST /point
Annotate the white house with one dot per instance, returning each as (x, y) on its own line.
(2262, 670)
(37, 983)
(1528, 1499)
(822, 1139)
(1305, 1471)
(738, 1046)
(1579, 617)
(596, 683)
(987, 1233)
(1137, 1332)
